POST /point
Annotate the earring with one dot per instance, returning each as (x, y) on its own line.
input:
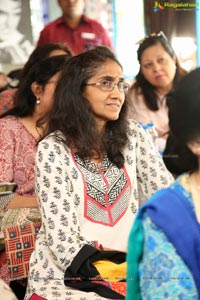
(38, 100)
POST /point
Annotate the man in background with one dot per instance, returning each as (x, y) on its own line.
(74, 29)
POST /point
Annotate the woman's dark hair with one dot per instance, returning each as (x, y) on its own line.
(148, 90)
(184, 124)
(25, 107)
(40, 53)
(72, 114)
(41, 72)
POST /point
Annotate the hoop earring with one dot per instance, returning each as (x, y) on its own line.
(37, 100)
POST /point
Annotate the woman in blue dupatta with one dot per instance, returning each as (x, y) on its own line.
(163, 258)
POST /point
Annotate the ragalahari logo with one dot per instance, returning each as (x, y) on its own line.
(157, 6)
(176, 5)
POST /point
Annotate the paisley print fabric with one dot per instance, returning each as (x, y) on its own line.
(17, 159)
(6, 100)
(162, 270)
(80, 206)
(165, 269)
(17, 155)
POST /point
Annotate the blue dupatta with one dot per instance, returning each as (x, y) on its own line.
(170, 210)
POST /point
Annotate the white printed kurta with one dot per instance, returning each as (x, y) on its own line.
(83, 203)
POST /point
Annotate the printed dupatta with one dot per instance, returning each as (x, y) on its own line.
(170, 211)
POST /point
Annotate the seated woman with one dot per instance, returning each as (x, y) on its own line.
(9, 84)
(164, 243)
(19, 136)
(89, 168)
(159, 72)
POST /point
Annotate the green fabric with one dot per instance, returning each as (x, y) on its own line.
(134, 254)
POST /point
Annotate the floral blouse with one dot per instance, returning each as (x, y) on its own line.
(6, 100)
(17, 159)
(17, 155)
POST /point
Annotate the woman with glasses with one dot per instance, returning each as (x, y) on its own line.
(90, 167)
(158, 74)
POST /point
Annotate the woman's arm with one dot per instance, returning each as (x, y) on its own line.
(7, 149)
(152, 173)
(17, 153)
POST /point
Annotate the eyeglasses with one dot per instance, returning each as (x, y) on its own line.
(108, 85)
(159, 34)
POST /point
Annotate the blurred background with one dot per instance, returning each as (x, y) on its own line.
(127, 22)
